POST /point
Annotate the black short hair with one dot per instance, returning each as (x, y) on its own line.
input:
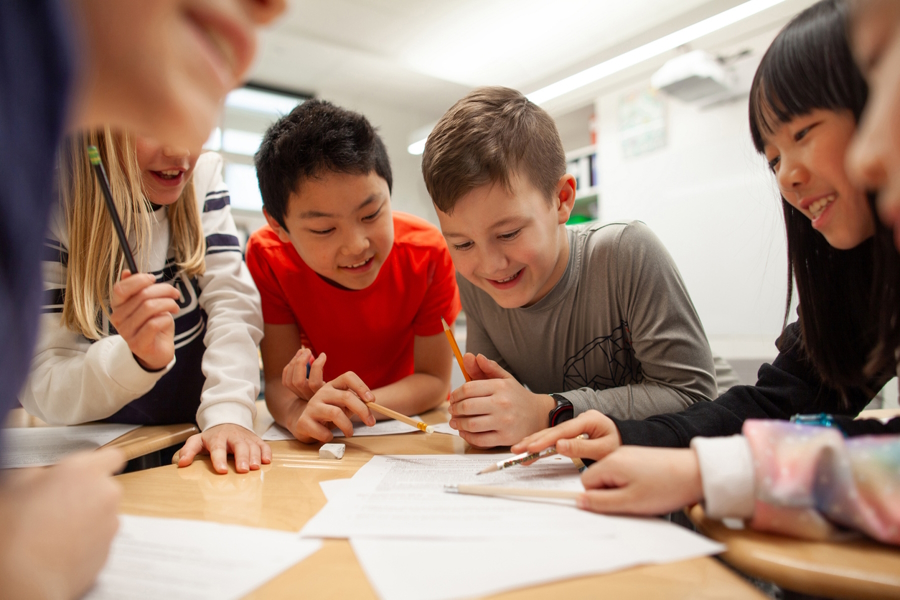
(315, 138)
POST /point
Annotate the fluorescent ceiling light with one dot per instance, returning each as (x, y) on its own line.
(262, 102)
(417, 148)
(648, 51)
(639, 54)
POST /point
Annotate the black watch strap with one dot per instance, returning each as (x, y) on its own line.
(563, 411)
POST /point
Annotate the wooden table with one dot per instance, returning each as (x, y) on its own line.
(286, 494)
(856, 569)
(134, 444)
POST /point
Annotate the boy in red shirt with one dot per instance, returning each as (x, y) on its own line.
(348, 287)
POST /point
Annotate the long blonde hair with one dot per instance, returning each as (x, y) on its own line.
(96, 261)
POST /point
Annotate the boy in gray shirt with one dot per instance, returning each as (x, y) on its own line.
(587, 317)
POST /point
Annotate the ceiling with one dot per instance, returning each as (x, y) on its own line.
(425, 54)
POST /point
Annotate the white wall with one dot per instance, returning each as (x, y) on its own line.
(711, 200)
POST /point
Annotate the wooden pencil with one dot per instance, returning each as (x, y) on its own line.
(449, 333)
(400, 417)
(103, 181)
(495, 490)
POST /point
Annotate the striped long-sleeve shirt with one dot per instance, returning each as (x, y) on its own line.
(214, 377)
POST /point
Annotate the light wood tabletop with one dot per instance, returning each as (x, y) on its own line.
(286, 494)
(134, 444)
(859, 568)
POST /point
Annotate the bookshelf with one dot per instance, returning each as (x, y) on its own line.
(582, 164)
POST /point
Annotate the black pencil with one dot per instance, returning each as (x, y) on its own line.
(94, 155)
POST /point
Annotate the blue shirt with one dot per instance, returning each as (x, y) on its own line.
(35, 77)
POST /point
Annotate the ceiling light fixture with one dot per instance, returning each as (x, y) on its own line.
(639, 54)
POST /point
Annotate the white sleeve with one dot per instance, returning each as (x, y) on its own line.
(726, 468)
(73, 380)
(232, 304)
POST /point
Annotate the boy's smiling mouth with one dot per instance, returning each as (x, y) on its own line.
(359, 267)
(507, 282)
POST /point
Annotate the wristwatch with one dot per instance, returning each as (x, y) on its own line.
(563, 411)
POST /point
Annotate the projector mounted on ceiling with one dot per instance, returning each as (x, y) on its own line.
(694, 76)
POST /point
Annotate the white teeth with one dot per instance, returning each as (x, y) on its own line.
(358, 264)
(510, 278)
(170, 174)
(818, 206)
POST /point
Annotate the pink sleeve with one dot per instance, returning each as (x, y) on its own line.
(809, 480)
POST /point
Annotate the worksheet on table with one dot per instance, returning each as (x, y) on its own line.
(277, 433)
(178, 559)
(404, 496)
(41, 446)
(405, 569)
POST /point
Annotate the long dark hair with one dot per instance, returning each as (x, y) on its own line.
(809, 66)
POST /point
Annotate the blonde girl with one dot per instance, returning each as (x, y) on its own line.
(173, 343)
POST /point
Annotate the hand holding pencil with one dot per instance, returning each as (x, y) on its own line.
(602, 437)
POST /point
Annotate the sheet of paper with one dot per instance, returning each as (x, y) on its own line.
(388, 427)
(41, 446)
(177, 559)
(334, 488)
(404, 569)
(403, 496)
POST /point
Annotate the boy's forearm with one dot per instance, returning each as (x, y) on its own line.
(413, 394)
(635, 401)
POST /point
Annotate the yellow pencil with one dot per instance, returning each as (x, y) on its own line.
(455, 347)
(400, 417)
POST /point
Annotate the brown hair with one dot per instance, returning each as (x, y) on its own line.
(487, 137)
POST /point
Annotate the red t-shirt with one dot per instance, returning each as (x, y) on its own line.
(369, 331)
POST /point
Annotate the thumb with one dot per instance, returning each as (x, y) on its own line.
(491, 369)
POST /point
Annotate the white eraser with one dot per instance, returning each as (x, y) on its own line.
(332, 451)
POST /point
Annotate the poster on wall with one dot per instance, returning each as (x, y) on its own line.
(642, 122)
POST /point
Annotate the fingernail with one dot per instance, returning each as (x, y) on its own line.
(581, 502)
(370, 397)
(244, 466)
(562, 445)
(453, 423)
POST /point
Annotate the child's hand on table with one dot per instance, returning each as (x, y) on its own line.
(642, 481)
(248, 449)
(142, 313)
(494, 409)
(332, 406)
(602, 432)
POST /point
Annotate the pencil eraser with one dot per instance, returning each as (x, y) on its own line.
(335, 451)
(429, 429)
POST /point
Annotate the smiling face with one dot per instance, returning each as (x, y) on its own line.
(807, 156)
(164, 170)
(874, 158)
(163, 67)
(511, 243)
(341, 226)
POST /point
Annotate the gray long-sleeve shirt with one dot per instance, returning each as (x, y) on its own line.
(618, 333)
